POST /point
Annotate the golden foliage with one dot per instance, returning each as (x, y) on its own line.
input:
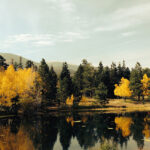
(69, 100)
(123, 89)
(145, 85)
(16, 83)
(123, 123)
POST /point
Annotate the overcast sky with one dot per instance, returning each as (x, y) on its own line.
(70, 30)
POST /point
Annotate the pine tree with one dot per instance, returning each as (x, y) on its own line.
(20, 65)
(78, 81)
(135, 80)
(66, 87)
(101, 93)
(29, 64)
(15, 65)
(88, 75)
(126, 71)
(46, 81)
(99, 74)
(113, 79)
(53, 82)
(2, 63)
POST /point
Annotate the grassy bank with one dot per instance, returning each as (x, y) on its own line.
(114, 105)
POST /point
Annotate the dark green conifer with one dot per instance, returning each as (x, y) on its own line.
(66, 86)
(135, 80)
(29, 64)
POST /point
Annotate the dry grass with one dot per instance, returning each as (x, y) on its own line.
(89, 102)
(118, 105)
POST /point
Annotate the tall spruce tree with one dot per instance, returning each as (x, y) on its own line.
(29, 64)
(20, 65)
(101, 93)
(102, 83)
(15, 65)
(135, 80)
(53, 80)
(88, 75)
(99, 74)
(66, 87)
(78, 81)
(2, 63)
(113, 79)
(46, 82)
(126, 71)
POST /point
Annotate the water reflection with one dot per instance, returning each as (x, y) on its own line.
(89, 130)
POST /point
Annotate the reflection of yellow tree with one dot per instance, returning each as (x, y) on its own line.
(124, 124)
(70, 120)
(10, 141)
(146, 130)
(84, 119)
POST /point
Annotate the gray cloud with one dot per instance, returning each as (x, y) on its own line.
(95, 29)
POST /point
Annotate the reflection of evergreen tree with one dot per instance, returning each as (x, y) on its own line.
(49, 132)
(15, 125)
(65, 130)
(106, 128)
(43, 131)
(86, 134)
(33, 127)
(88, 130)
(137, 129)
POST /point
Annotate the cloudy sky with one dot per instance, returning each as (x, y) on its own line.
(70, 30)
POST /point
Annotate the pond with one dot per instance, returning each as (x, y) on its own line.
(76, 131)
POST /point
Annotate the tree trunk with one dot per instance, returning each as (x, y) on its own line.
(138, 97)
(143, 99)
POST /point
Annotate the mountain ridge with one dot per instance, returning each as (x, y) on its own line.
(56, 65)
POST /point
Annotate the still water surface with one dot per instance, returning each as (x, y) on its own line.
(76, 131)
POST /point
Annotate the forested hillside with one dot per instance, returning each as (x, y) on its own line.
(56, 65)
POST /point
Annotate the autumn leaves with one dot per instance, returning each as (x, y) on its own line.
(123, 89)
(13, 84)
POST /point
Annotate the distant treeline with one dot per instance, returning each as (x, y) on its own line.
(88, 81)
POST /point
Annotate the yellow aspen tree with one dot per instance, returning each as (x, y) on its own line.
(14, 84)
(8, 86)
(123, 89)
(69, 100)
(145, 85)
